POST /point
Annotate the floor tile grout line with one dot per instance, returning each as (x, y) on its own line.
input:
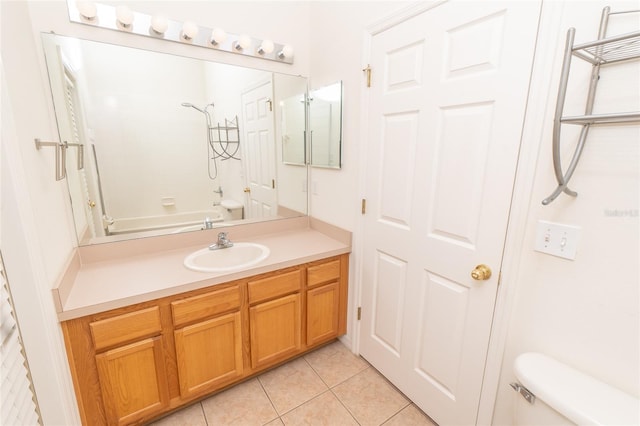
(305, 402)
(204, 414)
(393, 387)
(315, 371)
(342, 381)
(395, 414)
(326, 363)
(268, 397)
(329, 387)
(308, 400)
(345, 407)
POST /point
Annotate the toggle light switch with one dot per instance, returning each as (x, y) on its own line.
(557, 239)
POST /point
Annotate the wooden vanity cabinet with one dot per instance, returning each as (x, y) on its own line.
(133, 381)
(132, 364)
(120, 375)
(275, 317)
(323, 301)
(208, 340)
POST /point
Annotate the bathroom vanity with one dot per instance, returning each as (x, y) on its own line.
(137, 355)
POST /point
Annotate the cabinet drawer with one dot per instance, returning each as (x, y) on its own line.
(126, 327)
(277, 285)
(322, 273)
(205, 305)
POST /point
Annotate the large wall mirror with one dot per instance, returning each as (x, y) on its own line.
(294, 146)
(323, 148)
(325, 126)
(172, 143)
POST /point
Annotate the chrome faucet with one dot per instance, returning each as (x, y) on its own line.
(223, 242)
(208, 223)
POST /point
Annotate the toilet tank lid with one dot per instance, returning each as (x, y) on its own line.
(230, 204)
(577, 396)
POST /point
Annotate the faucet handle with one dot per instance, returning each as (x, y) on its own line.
(222, 235)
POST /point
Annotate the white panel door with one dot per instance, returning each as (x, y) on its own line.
(259, 151)
(449, 88)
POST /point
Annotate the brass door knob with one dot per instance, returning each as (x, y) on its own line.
(91, 203)
(481, 273)
(247, 189)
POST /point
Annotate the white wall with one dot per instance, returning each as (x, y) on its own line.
(37, 232)
(583, 312)
(292, 179)
(338, 53)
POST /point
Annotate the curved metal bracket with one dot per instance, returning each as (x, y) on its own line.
(561, 177)
(602, 51)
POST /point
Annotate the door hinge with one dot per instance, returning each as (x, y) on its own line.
(273, 184)
(367, 71)
(363, 207)
(359, 313)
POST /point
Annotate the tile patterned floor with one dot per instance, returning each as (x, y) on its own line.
(329, 386)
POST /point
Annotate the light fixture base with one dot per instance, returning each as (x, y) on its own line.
(141, 25)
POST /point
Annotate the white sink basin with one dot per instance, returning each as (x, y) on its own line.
(239, 256)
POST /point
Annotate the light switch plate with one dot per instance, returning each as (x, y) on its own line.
(557, 239)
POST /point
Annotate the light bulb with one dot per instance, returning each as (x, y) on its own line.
(266, 47)
(124, 15)
(218, 36)
(159, 24)
(189, 30)
(87, 9)
(286, 52)
(243, 43)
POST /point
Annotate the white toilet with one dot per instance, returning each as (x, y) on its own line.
(232, 210)
(552, 393)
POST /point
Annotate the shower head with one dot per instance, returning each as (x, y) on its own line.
(190, 105)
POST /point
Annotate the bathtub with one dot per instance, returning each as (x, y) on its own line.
(151, 223)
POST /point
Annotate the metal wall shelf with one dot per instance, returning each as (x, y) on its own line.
(610, 50)
(595, 119)
(228, 139)
(603, 51)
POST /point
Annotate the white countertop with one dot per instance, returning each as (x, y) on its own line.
(101, 285)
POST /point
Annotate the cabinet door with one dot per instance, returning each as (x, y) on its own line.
(209, 353)
(133, 381)
(275, 330)
(322, 313)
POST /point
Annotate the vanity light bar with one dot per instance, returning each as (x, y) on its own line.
(122, 19)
